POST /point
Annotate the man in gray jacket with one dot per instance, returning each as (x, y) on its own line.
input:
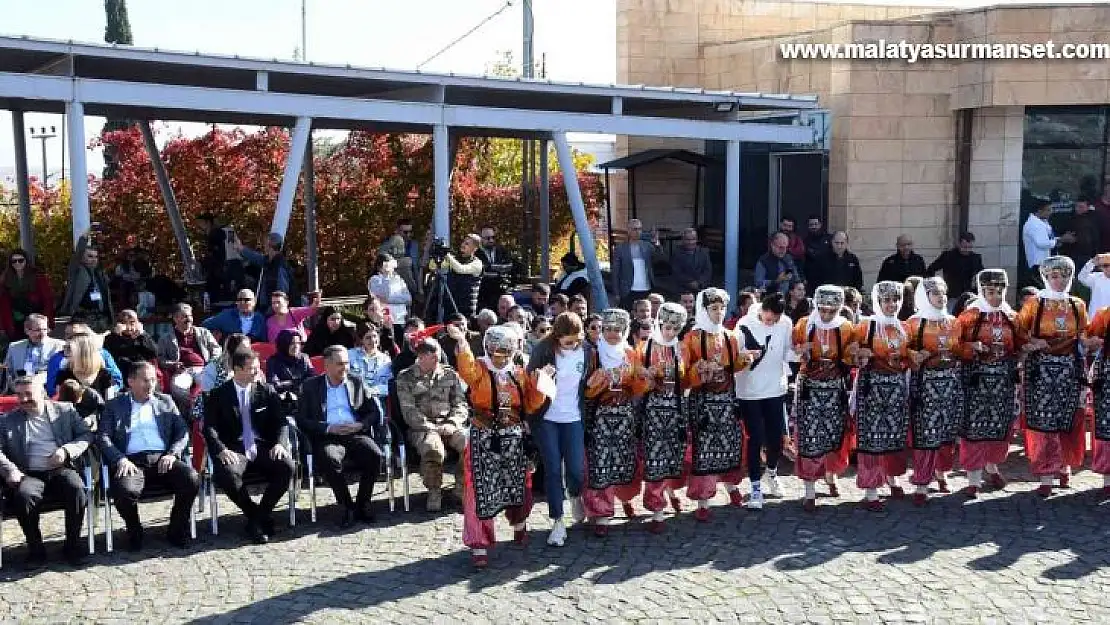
(142, 437)
(40, 444)
(632, 274)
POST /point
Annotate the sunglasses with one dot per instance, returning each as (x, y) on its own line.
(18, 261)
(244, 299)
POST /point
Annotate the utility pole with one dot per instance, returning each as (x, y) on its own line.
(43, 135)
(528, 147)
(304, 31)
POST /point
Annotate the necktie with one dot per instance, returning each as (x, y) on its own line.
(249, 447)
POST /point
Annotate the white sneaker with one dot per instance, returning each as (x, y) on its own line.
(771, 486)
(577, 509)
(558, 534)
(755, 501)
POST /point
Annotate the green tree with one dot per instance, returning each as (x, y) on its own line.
(117, 29)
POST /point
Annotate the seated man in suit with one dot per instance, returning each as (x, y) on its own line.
(40, 443)
(243, 318)
(245, 428)
(338, 413)
(142, 437)
(31, 355)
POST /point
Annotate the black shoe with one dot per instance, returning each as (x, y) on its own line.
(349, 518)
(366, 515)
(267, 525)
(75, 556)
(256, 534)
(135, 539)
(36, 559)
(177, 539)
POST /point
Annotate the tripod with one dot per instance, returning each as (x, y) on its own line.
(437, 293)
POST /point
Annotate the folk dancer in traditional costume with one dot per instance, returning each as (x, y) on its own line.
(1098, 332)
(1054, 322)
(936, 387)
(665, 424)
(496, 469)
(615, 381)
(824, 340)
(991, 345)
(714, 358)
(881, 396)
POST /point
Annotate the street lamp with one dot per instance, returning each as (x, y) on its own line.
(43, 135)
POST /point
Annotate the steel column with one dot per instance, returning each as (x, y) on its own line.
(192, 270)
(442, 219)
(732, 219)
(545, 214)
(292, 174)
(23, 183)
(581, 224)
(79, 192)
(312, 251)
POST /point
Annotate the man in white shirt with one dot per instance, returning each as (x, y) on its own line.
(1098, 282)
(633, 277)
(1039, 241)
(340, 415)
(142, 437)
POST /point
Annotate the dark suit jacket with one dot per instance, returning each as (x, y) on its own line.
(113, 436)
(621, 269)
(70, 432)
(223, 425)
(313, 417)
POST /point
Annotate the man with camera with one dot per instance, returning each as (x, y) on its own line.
(456, 280)
(497, 270)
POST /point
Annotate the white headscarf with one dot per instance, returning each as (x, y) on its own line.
(925, 309)
(670, 313)
(499, 338)
(701, 314)
(995, 278)
(1056, 263)
(887, 289)
(826, 296)
(613, 356)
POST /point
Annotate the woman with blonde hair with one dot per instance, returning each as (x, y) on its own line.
(85, 365)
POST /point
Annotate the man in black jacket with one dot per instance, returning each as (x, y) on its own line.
(959, 266)
(902, 264)
(131, 345)
(245, 428)
(339, 415)
(838, 266)
(143, 437)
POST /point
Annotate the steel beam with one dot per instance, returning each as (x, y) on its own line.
(732, 219)
(23, 183)
(125, 94)
(288, 192)
(581, 223)
(79, 192)
(192, 270)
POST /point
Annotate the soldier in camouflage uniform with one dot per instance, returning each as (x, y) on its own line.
(435, 409)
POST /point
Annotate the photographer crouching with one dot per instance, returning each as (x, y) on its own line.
(454, 280)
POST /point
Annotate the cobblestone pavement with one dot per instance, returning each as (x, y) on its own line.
(1006, 557)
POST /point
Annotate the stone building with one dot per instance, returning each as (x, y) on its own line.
(927, 148)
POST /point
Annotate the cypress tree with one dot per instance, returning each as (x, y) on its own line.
(117, 29)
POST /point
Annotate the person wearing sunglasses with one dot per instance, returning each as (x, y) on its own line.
(24, 290)
(242, 319)
(497, 476)
(557, 426)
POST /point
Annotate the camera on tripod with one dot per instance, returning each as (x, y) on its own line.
(440, 250)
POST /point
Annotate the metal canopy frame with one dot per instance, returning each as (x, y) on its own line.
(131, 83)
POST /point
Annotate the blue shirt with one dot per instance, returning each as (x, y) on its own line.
(339, 405)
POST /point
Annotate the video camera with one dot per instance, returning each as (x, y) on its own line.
(440, 250)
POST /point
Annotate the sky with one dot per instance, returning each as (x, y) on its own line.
(397, 34)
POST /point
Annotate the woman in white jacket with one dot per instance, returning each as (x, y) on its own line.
(765, 332)
(388, 286)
